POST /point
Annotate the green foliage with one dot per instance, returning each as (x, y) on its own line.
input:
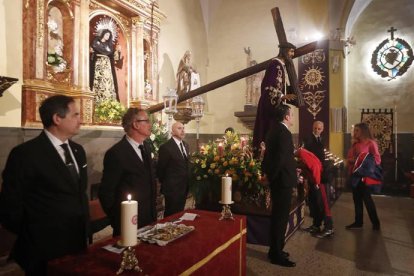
(54, 59)
(109, 111)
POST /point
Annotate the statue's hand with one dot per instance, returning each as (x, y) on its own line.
(289, 97)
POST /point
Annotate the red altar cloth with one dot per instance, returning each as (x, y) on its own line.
(213, 248)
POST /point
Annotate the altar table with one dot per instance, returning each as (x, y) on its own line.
(213, 248)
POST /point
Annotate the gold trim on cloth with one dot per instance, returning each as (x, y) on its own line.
(218, 250)
(241, 247)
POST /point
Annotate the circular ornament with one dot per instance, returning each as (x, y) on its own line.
(392, 58)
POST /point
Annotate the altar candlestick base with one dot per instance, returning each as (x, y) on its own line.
(129, 261)
(226, 212)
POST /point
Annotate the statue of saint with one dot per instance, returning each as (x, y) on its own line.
(103, 80)
(187, 77)
(253, 82)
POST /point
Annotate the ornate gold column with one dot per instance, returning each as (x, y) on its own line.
(82, 50)
(137, 70)
(40, 38)
(134, 82)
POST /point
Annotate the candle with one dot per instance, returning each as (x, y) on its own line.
(226, 190)
(129, 218)
(220, 149)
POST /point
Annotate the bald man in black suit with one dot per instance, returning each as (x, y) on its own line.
(173, 170)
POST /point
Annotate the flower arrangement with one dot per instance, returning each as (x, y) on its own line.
(109, 111)
(159, 135)
(228, 156)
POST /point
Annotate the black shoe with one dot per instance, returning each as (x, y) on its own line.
(353, 226)
(283, 262)
(312, 229)
(284, 255)
(376, 227)
(325, 233)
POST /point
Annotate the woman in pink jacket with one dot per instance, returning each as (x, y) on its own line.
(363, 143)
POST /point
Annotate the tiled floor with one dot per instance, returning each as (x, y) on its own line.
(356, 252)
(350, 252)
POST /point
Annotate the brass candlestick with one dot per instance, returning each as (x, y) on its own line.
(129, 261)
(226, 212)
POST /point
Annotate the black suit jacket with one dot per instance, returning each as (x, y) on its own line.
(317, 148)
(124, 173)
(173, 170)
(42, 204)
(279, 163)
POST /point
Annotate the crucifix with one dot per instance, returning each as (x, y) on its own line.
(392, 30)
(281, 35)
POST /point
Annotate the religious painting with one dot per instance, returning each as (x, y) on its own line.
(108, 74)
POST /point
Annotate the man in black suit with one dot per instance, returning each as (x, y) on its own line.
(279, 165)
(314, 143)
(43, 198)
(173, 170)
(128, 169)
(317, 197)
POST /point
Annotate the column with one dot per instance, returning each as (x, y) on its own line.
(82, 49)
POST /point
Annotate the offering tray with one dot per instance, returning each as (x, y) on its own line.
(164, 233)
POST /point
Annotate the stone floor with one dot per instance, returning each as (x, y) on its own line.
(357, 252)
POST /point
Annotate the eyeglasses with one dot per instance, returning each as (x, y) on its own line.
(141, 120)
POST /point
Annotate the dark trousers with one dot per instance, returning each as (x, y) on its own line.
(281, 201)
(362, 195)
(174, 204)
(316, 209)
(36, 269)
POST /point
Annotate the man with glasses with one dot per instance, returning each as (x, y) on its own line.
(128, 169)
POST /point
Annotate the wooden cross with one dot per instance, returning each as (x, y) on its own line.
(392, 30)
(281, 35)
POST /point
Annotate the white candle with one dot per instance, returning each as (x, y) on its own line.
(226, 190)
(129, 221)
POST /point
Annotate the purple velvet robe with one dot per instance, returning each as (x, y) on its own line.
(272, 90)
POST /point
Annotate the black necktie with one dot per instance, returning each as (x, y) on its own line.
(318, 139)
(143, 155)
(70, 164)
(182, 151)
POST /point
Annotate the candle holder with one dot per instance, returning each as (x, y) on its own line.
(226, 212)
(129, 261)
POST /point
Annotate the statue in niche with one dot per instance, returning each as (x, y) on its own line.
(253, 82)
(104, 58)
(148, 90)
(55, 42)
(187, 77)
(256, 84)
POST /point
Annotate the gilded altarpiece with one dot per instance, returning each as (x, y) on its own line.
(58, 53)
